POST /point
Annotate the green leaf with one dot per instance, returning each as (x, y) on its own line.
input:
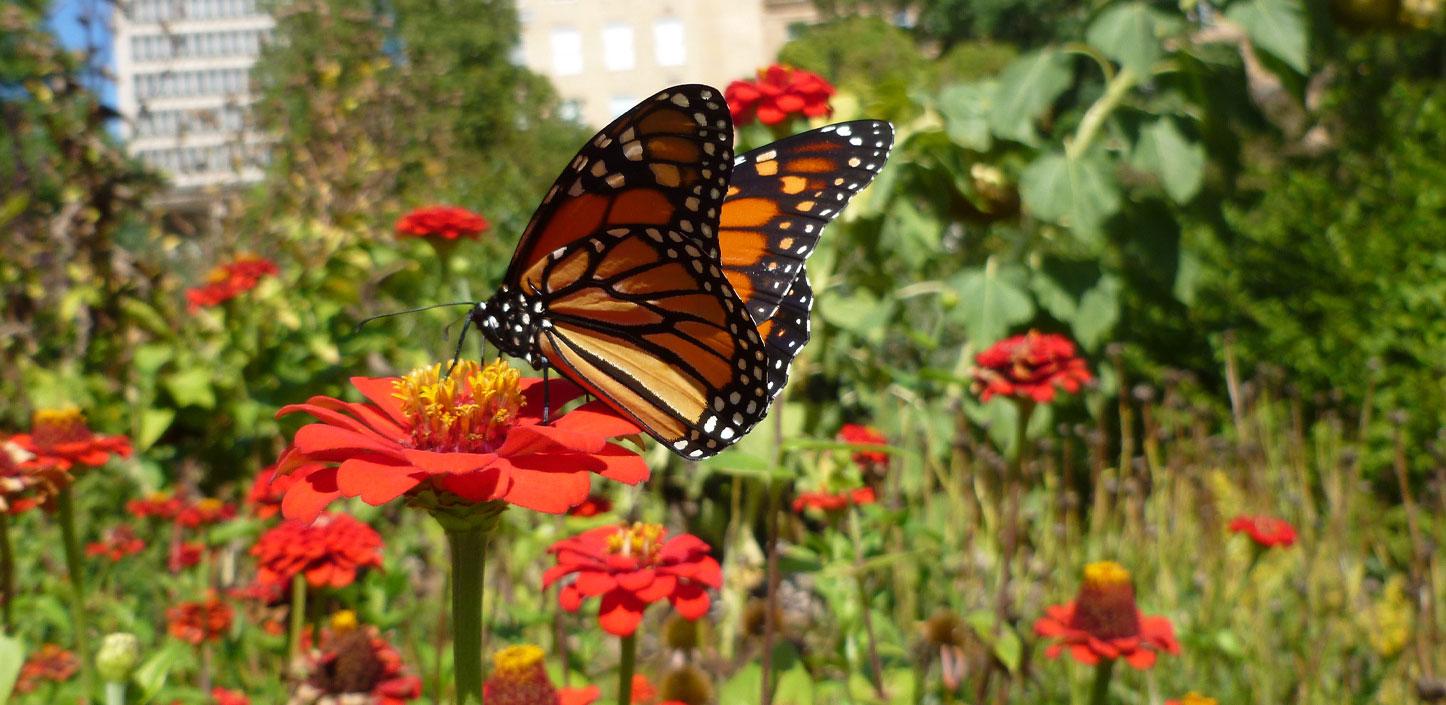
(1169, 155)
(1009, 649)
(1077, 193)
(1099, 310)
(965, 107)
(1277, 26)
(736, 463)
(153, 423)
(795, 687)
(743, 688)
(12, 655)
(1130, 34)
(191, 387)
(1187, 278)
(991, 299)
(1026, 88)
(913, 236)
(1058, 284)
(151, 675)
(860, 313)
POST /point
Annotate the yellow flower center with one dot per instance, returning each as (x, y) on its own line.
(640, 541)
(516, 663)
(343, 621)
(1106, 574)
(52, 427)
(468, 410)
(1193, 698)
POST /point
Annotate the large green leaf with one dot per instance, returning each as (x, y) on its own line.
(192, 387)
(965, 107)
(1130, 34)
(1099, 310)
(1169, 155)
(795, 687)
(743, 687)
(1026, 89)
(1078, 193)
(991, 299)
(1277, 26)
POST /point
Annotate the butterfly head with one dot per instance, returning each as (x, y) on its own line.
(512, 320)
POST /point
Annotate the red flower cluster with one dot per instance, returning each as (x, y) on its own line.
(474, 436)
(266, 492)
(1265, 531)
(59, 439)
(229, 280)
(205, 512)
(442, 222)
(118, 543)
(1029, 366)
(222, 696)
(779, 93)
(156, 505)
(632, 567)
(355, 664)
(875, 461)
(51, 663)
(1103, 622)
(831, 502)
(200, 621)
(329, 551)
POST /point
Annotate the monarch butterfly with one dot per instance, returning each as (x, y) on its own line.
(666, 278)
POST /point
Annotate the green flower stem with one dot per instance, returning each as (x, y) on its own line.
(469, 546)
(7, 573)
(1100, 691)
(297, 615)
(115, 694)
(626, 666)
(65, 505)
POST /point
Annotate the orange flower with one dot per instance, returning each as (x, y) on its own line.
(472, 437)
(1265, 531)
(1103, 622)
(1029, 366)
(229, 280)
(779, 93)
(519, 678)
(266, 492)
(51, 663)
(631, 567)
(59, 439)
(118, 543)
(875, 461)
(1193, 698)
(442, 222)
(355, 664)
(201, 621)
(831, 502)
(643, 693)
(329, 551)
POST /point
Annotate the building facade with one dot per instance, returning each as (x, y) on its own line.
(182, 70)
(606, 55)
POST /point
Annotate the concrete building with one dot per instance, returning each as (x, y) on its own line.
(606, 55)
(182, 71)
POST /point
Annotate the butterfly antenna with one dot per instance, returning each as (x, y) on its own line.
(419, 309)
(457, 354)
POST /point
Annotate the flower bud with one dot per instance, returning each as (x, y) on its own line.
(118, 655)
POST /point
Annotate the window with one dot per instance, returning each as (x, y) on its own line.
(618, 47)
(669, 48)
(569, 110)
(620, 104)
(566, 51)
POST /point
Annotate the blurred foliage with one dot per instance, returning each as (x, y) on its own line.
(946, 23)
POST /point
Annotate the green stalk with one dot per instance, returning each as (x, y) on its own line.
(1100, 691)
(65, 504)
(115, 694)
(298, 614)
(628, 662)
(7, 573)
(469, 546)
(1089, 126)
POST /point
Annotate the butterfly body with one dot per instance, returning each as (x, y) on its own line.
(660, 284)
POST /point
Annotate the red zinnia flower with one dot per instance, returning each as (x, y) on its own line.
(1265, 531)
(229, 280)
(594, 505)
(519, 678)
(51, 663)
(266, 492)
(475, 436)
(203, 620)
(118, 543)
(643, 693)
(830, 502)
(444, 222)
(355, 665)
(631, 567)
(779, 93)
(868, 460)
(204, 512)
(59, 439)
(222, 696)
(328, 551)
(1029, 366)
(185, 554)
(1103, 622)
(158, 505)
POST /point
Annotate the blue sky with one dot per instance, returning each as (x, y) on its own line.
(65, 21)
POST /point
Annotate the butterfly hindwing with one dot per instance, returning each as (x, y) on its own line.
(782, 195)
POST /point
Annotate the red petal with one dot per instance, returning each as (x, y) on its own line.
(1082, 653)
(599, 419)
(437, 463)
(482, 486)
(636, 580)
(555, 573)
(559, 392)
(304, 501)
(622, 465)
(380, 391)
(620, 613)
(375, 483)
(592, 583)
(552, 484)
(536, 438)
(690, 600)
(330, 442)
(569, 599)
(662, 586)
(1141, 659)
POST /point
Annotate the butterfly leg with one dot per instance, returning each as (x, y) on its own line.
(546, 394)
(457, 354)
